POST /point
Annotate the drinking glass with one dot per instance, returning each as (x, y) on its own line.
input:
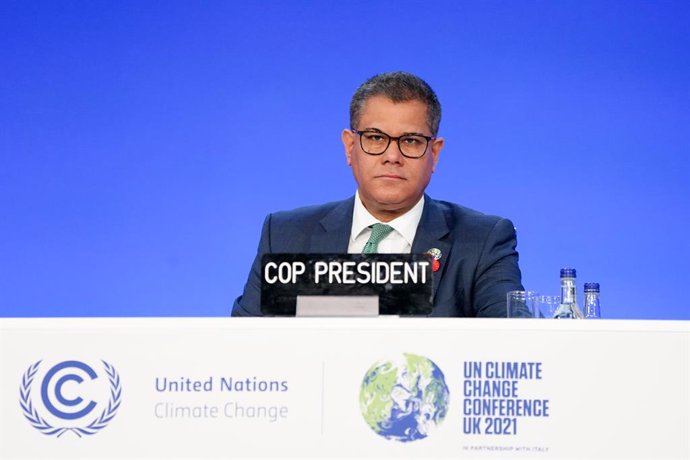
(522, 304)
(546, 306)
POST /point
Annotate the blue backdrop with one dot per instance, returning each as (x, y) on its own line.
(143, 142)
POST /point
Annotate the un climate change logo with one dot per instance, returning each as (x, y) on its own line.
(66, 394)
(404, 399)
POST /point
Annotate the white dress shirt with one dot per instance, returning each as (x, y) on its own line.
(398, 241)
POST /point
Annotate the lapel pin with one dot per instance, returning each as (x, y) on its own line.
(436, 254)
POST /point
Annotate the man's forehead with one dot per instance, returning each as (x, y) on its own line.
(381, 99)
(381, 109)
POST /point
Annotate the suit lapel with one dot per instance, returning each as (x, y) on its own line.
(333, 235)
(432, 228)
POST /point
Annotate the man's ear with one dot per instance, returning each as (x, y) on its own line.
(436, 147)
(348, 138)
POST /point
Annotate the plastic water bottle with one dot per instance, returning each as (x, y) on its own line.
(568, 307)
(592, 310)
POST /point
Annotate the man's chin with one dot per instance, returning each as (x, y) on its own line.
(393, 204)
(388, 203)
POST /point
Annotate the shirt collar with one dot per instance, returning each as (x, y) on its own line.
(405, 225)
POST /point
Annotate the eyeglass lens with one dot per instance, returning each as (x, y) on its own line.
(376, 143)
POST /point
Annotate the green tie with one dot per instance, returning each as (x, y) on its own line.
(378, 232)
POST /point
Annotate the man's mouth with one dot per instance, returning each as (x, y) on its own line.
(390, 177)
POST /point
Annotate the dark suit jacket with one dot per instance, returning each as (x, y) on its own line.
(479, 263)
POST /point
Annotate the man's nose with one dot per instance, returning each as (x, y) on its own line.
(393, 153)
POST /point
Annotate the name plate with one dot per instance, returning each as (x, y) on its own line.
(403, 283)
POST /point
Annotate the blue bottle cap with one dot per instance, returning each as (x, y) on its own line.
(591, 287)
(568, 273)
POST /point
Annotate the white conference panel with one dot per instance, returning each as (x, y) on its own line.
(378, 387)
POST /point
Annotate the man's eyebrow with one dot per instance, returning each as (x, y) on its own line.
(413, 133)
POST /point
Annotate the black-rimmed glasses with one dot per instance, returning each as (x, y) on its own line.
(376, 142)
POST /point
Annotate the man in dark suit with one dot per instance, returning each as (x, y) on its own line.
(392, 148)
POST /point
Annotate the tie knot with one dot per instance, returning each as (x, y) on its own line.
(378, 233)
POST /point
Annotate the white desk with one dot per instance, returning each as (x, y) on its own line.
(292, 387)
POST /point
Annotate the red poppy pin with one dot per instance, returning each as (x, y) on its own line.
(436, 254)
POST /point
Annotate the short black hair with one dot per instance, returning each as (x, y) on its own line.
(398, 87)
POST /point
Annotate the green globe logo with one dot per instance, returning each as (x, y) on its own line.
(404, 399)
